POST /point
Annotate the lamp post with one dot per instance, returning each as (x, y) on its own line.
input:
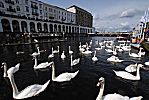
(63, 35)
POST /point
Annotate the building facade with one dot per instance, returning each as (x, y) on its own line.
(36, 16)
(83, 17)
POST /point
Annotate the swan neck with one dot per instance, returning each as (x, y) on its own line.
(53, 71)
(38, 51)
(71, 61)
(58, 48)
(14, 87)
(100, 95)
(35, 65)
(138, 72)
(5, 71)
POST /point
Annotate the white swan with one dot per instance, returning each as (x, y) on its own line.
(115, 52)
(75, 61)
(29, 91)
(62, 77)
(87, 51)
(109, 50)
(94, 58)
(114, 59)
(126, 75)
(51, 55)
(56, 51)
(70, 51)
(131, 68)
(147, 63)
(114, 96)
(140, 51)
(41, 65)
(63, 55)
(136, 55)
(4, 65)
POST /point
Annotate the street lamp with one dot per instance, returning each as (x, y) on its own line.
(63, 34)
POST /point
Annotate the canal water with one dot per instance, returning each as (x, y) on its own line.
(83, 86)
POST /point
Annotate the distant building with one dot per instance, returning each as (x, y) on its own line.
(37, 16)
(83, 17)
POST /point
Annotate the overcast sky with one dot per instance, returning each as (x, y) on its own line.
(109, 15)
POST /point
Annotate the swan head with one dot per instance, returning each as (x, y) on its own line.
(140, 65)
(12, 70)
(3, 64)
(101, 82)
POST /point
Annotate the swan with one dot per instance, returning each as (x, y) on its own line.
(94, 58)
(41, 65)
(98, 48)
(70, 51)
(63, 55)
(114, 59)
(56, 51)
(126, 75)
(140, 51)
(114, 52)
(4, 65)
(29, 91)
(87, 51)
(109, 50)
(63, 76)
(131, 68)
(114, 96)
(147, 63)
(51, 55)
(75, 61)
(134, 54)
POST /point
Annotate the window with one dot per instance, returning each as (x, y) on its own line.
(18, 8)
(26, 2)
(17, 1)
(45, 8)
(41, 12)
(1, 5)
(40, 5)
(27, 9)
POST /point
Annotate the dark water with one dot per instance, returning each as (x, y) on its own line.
(83, 86)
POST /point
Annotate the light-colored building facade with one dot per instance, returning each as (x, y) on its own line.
(37, 16)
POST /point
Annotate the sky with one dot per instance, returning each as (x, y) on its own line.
(109, 15)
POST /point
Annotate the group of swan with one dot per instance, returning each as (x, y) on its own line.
(129, 76)
(29, 91)
(115, 96)
(34, 89)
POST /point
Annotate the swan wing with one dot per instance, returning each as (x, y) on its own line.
(136, 98)
(31, 90)
(43, 65)
(65, 76)
(76, 61)
(28, 91)
(131, 68)
(115, 97)
(125, 75)
(146, 63)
